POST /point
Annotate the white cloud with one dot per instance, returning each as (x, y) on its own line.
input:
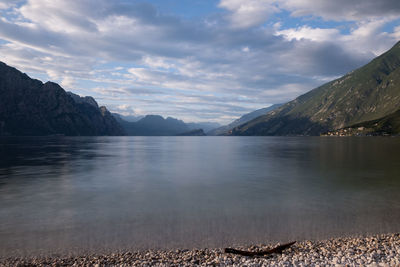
(246, 49)
(58, 15)
(124, 107)
(367, 38)
(157, 62)
(396, 33)
(313, 34)
(370, 36)
(68, 82)
(248, 13)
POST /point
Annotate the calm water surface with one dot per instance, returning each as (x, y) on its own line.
(62, 194)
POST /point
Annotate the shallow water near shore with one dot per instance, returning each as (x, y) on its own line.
(74, 194)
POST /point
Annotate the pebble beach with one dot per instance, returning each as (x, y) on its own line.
(379, 250)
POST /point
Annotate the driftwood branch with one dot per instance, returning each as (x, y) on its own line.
(277, 250)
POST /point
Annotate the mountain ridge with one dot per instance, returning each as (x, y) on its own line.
(223, 130)
(367, 93)
(31, 107)
(154, 125)
(387, 125)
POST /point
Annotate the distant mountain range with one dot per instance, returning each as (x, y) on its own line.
(363, 102)
(128, 118)
(205, 126)
(195, 132)
(226, 129)
(156, 125)
(369, 93)
(30, 107)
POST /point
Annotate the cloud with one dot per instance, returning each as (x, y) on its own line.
(350, 10)
(249, 13)
(366, 40)
(6, 4)
(129, 53)
(68, 82)
(313, 34)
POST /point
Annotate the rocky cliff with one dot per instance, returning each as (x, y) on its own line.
(30, 107)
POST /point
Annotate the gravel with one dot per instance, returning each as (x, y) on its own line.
(379, 250)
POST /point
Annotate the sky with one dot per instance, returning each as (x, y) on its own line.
(196, 60)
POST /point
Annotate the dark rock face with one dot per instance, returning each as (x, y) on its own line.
(86, 99)
(29, 107)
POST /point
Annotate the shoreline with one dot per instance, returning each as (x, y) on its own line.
(374, 250)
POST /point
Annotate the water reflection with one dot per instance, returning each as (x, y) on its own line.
(72, 194)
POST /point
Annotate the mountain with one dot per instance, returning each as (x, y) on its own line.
(129, 118)
(245, 118)
(388, 125)
(195, 132)
(30, 107)
(368, 93)
(154, 125)
(85, 99)
(205, 126)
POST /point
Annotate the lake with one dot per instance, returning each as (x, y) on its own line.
(74, 194)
